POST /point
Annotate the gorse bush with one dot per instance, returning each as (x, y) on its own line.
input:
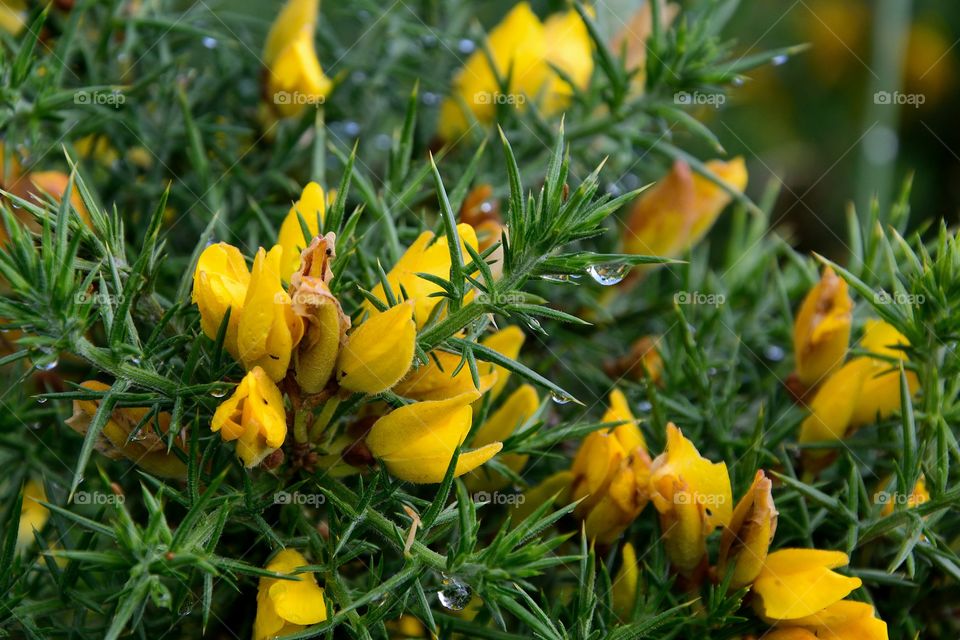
(382, 324)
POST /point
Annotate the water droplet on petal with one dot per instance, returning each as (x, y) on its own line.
(608, 274)
(454, 595)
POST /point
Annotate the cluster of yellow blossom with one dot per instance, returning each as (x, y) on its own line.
(845, 395)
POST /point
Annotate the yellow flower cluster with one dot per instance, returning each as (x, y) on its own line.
(846, 395)
(526, 55)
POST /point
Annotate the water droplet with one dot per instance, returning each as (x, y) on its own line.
(382, 142)
(738, 81)
(560, 398)
(351, 128)
(608, 274)
(47, 362)
(429, 41)
(712, 371)
(466, 46)
(210, 43)
(454, 595)
(774, 352)
(644, 407)
(486, 206)
(779, 60)
(41, 400)
(429, 98)
(218, 392)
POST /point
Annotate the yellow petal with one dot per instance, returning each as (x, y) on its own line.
(290, 21)
(628, 434)
(220, 282)
(436, 380)
(831, 410)
(569, 49)
(516, 410)
(557, 485)
(312, 208)
(254, 416)
(33, 515)
(821, 331)
(285, 606)
(795, 583)
(506, 342)
(747, 540)
(624, 588)
(379, 352)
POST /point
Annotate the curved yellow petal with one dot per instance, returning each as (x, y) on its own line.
(795, 583)
(379, 352)
(821, 331)
(312, 208)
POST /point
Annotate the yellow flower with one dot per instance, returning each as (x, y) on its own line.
(506, 342)
(569, 49)
(416, 442)
(643, 361)
(624, 588)
(821, 331)
(795, 583)
(287, 606)
(312, 208)
(611, 474)
(13, 16)
(294, 77)
(33, 515)
(862, 391)
(844, 620)
(425, 255)
(693, 497)
(673, 215)
(325, 323)
(917, 496)
(146, 449)
(555, 487)
(268, 329)
(379, 352)
(406, 626)
(880, 394)
(523, 50)
(746, 541)
(436, 380)
(515, 411)
(254, 416)
(220, 283)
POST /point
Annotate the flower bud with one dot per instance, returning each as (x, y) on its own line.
(693, 497)
(254, 416)
(821, 331)
(285, 607)
(795, 583)
(268, 329)
(610, 475)
(325, 323)
(417, 442)
(674, 215)
(312, 208)
(745, 542)
(146, 448)
(624, 590)
(507, 342)
(294, 77)
(220, 283)
(378, 353)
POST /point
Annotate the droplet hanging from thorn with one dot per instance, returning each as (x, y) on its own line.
(560, 398)
(454, 595)
(608, 274)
